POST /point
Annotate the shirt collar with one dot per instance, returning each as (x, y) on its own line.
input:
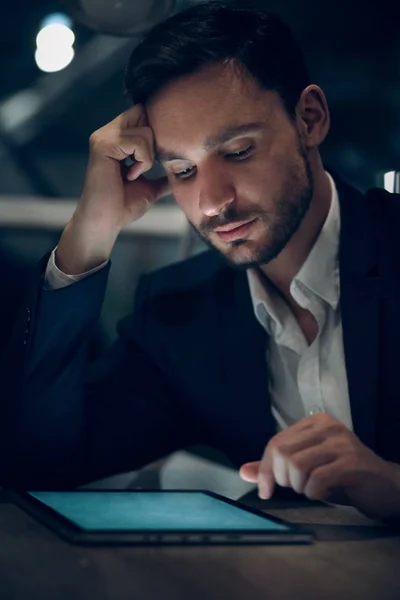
(319, 273)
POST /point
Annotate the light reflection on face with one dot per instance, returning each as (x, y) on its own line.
(232, 154)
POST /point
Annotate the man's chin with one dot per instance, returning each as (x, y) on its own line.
(241, 257)
(241, 254)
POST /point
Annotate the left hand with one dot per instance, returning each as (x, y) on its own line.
(320, 458)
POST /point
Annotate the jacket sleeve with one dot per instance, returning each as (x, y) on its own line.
(60, 425)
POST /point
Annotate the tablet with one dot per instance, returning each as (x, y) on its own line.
(155, 517)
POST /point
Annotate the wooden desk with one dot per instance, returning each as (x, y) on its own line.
(353, 558)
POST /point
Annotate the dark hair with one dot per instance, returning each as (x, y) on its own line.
(214, 32)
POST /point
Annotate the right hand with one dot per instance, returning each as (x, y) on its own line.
(108, 198)
(113, 195)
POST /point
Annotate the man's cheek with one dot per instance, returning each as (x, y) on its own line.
(187, 205)
(183, 201)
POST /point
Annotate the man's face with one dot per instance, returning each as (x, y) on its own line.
(233, 156)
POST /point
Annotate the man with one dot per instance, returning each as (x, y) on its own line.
(285, 362)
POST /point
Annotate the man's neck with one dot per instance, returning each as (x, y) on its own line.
(283, 269)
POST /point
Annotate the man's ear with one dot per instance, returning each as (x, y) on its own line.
(312, 115)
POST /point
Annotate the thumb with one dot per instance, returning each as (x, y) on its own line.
(249, 471)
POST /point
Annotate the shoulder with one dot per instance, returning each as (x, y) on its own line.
(384, 210)
(369, 211)
(385, 217)
(387, 204)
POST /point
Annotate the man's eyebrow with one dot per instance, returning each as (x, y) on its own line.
(231, 132)
(228, 133)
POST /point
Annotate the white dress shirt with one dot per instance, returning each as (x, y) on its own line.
(56, 279)
(306, 379)
(303, 379)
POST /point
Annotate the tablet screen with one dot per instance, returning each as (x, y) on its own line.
(153, 511)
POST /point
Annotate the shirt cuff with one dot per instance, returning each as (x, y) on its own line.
(56, 279)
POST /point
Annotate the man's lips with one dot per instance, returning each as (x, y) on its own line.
(230, 227)
(234, 232)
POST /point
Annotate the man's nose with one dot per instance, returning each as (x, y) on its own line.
(216, 193)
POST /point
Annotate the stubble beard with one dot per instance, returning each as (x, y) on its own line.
(279, 225)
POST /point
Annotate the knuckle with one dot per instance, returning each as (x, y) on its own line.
(329, 423)
(324, 417)
(273, 446)
(335, 428)
(97, 140)
(94, 138)
(297, 463)
(277, 441)
(283, 451)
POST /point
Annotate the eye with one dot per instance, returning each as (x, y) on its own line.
(185, 174)
(241, 154)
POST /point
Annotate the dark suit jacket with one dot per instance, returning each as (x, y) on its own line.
(189, 365)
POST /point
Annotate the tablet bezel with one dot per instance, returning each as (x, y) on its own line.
(71, 532)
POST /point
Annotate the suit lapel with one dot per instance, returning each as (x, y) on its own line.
(243, 359)
(360, 306)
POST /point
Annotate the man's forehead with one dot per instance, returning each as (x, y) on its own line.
(213, 94)
(202, 111)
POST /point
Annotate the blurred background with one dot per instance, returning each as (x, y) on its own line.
(57, 87)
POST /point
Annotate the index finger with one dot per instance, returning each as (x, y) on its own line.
(266, 477)
(135, 116)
